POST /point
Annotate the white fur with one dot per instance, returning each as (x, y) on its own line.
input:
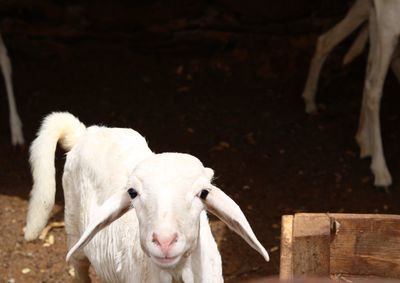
(383, 29)
(101, 165)
(56, 127)
(17, 136)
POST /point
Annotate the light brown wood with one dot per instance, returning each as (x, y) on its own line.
(311, 249)
(344, 245)
(323, 280)
(366, 245)
(286, 268)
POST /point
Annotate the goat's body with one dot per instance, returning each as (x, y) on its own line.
(99, 161)
(96, 165)
(102, 161)
(383, 29)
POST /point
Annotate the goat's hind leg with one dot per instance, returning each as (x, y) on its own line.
(363, 136)
(395, 65)
(358, 45)
(357, 14)
(386, 42)
(17, 136)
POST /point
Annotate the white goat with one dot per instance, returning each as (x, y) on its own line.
(17, 136)
(383, 30)
(110, 171)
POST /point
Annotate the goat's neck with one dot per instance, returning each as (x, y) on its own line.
(180, 274)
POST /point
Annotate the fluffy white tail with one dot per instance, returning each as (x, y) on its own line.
(56, 127)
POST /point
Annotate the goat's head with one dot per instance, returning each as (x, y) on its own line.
(168, 192)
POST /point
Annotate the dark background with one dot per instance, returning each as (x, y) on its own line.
(221, 80)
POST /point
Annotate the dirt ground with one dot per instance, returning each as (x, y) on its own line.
(233, 99)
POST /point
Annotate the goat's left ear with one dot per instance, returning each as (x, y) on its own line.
(222, 206)
(112, 209)
(209, 173)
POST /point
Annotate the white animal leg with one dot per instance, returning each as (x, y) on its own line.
(81, 268)
(358, 46)
(381, 57)
(17, 136)
(363, 136)
(395, 65)
(326, 42)
(79, 261)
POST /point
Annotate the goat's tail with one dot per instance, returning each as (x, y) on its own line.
(57, 127)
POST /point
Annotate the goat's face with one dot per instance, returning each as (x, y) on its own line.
(168, 192)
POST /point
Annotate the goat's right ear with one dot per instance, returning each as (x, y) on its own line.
(112, 209)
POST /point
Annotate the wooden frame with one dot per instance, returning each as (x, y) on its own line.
(331, 245)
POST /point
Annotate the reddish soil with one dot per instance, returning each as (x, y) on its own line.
(231, 99)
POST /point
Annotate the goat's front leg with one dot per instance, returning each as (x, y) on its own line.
(79, 261)
(81, 269)
(326, 42)
(17, 136)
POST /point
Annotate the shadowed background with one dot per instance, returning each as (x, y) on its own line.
(221, 80)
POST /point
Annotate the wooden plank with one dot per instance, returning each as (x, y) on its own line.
(323, 280)
(311, 245)
(286, 268)
(366, 245)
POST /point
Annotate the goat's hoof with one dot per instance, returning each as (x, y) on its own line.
(364, 151)
(17, 139)
(382, 178)
(365, 148)
(311, 108)
(309, 100)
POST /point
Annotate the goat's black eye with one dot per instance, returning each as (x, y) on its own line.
(132, 193)
(204, 194)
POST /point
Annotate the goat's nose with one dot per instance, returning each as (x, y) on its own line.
(165, 243)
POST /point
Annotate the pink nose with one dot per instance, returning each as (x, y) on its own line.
(165, 243)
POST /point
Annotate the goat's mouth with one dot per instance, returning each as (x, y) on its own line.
(166, 261)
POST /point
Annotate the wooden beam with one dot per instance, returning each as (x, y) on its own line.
(366, 245)
(286, 267)
(311, 245)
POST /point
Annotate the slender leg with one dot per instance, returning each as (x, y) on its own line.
(79, 261)
(394, 7)
(81, 268)
(326, 42)
(363, 136)
(358, 46)
(385, 46)
(395, 65)
(17, 136)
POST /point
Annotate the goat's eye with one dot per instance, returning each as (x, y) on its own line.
(204, 194)
(132, 193)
